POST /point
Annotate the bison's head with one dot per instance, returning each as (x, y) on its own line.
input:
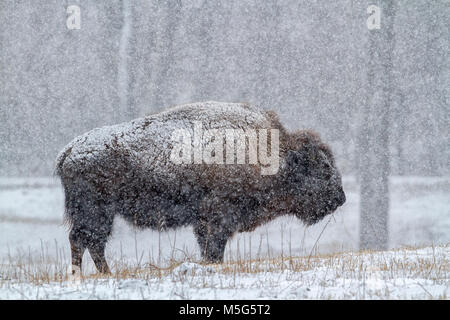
(311, 179)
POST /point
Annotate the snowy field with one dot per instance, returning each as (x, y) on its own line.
(397, 274)
(34, 252)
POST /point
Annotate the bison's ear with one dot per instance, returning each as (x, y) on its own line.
(297, 162)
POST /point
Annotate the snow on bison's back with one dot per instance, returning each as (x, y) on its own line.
(126, 170)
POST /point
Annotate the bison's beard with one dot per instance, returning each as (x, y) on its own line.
(312, 212)
(315, 217)
(314, 204)
(307, 210)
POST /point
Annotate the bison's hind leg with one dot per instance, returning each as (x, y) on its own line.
(91, 231)
(91, 226)
(77, 250)
(97, 252)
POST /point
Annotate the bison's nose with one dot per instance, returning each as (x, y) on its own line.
(340, 199)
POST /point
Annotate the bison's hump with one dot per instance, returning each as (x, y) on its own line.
(147, 139)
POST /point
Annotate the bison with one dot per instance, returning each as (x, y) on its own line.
(126, 170)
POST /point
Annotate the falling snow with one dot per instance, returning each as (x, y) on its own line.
(76, 82)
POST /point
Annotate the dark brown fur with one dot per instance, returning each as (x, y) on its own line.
(217, 200)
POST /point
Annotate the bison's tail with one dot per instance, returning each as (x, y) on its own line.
(69, 199)
(74, 192)
(68, 208)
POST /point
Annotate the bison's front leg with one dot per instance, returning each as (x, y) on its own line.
(212, 239)
(215, 225)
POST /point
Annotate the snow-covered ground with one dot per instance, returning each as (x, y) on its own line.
(33, 239)
(398, 274)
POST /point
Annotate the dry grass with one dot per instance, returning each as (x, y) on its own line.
(405, 262)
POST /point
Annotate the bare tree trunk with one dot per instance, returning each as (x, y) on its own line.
(433, 95)
(402, 162)
(374, 165)
(123, 77)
